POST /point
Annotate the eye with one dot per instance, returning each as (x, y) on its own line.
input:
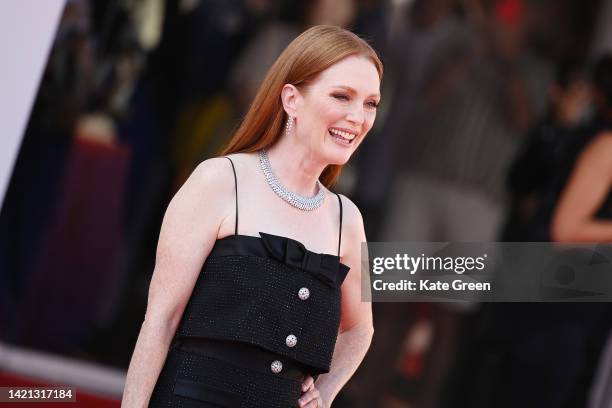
(372, 104)
(341, 97)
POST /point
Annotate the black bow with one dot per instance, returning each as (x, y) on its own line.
(327, 268)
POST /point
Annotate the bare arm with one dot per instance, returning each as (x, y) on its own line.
(356, 327)
(585, 192)
(188, 232)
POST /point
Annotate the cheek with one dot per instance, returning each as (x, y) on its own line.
(329, 113)
(369, 120)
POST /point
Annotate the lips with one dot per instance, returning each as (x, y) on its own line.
(342, 136)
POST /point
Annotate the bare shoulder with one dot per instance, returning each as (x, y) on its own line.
(599, 150)
(217, 174)
(215, 177)
(208, 189)
(214, 173)
(352, 214)
(195, 212)
(352, 220)
(606, 135)
(601, 144)
(603, 140)
(243, 162)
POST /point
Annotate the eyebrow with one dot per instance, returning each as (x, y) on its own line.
(348, 88)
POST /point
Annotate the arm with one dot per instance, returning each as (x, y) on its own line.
(588, 186)
(188, 232)
(356, 327)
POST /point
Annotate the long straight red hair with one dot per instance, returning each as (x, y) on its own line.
(311, 53)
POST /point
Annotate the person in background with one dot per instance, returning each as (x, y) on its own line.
(547, 147)
(584, 214)
(546, 354)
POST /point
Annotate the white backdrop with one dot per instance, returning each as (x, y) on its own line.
(27, 29)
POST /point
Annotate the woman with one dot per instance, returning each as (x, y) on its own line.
(584, 211)
(257, 272)
(584, 214)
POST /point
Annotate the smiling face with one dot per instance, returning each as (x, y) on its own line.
(334, 113)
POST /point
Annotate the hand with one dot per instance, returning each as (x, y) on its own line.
(311, 398)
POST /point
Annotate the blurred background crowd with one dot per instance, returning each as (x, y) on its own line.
(487, 107)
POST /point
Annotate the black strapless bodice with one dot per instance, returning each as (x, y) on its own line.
(272, 292)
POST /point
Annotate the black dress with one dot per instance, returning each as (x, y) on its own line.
(264, 312)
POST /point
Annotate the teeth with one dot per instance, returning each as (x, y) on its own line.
(346, 135)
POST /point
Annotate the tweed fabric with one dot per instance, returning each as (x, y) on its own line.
(250, 298)
(218, 384)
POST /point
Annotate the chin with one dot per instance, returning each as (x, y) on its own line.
(337, 156)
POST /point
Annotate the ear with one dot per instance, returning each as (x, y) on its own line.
(290, 96)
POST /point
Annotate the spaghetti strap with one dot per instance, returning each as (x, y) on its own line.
(236, 189)
(340, 232)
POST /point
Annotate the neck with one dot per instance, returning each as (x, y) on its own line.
(295, 165)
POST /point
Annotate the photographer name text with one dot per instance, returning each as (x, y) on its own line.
(427, 285)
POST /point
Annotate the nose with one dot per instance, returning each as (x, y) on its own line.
(356, 114)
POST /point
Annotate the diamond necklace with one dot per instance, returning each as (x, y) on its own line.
(296, 200)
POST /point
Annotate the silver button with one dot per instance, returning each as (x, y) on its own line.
(291, 340)
(276, 366)
(304, 293)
